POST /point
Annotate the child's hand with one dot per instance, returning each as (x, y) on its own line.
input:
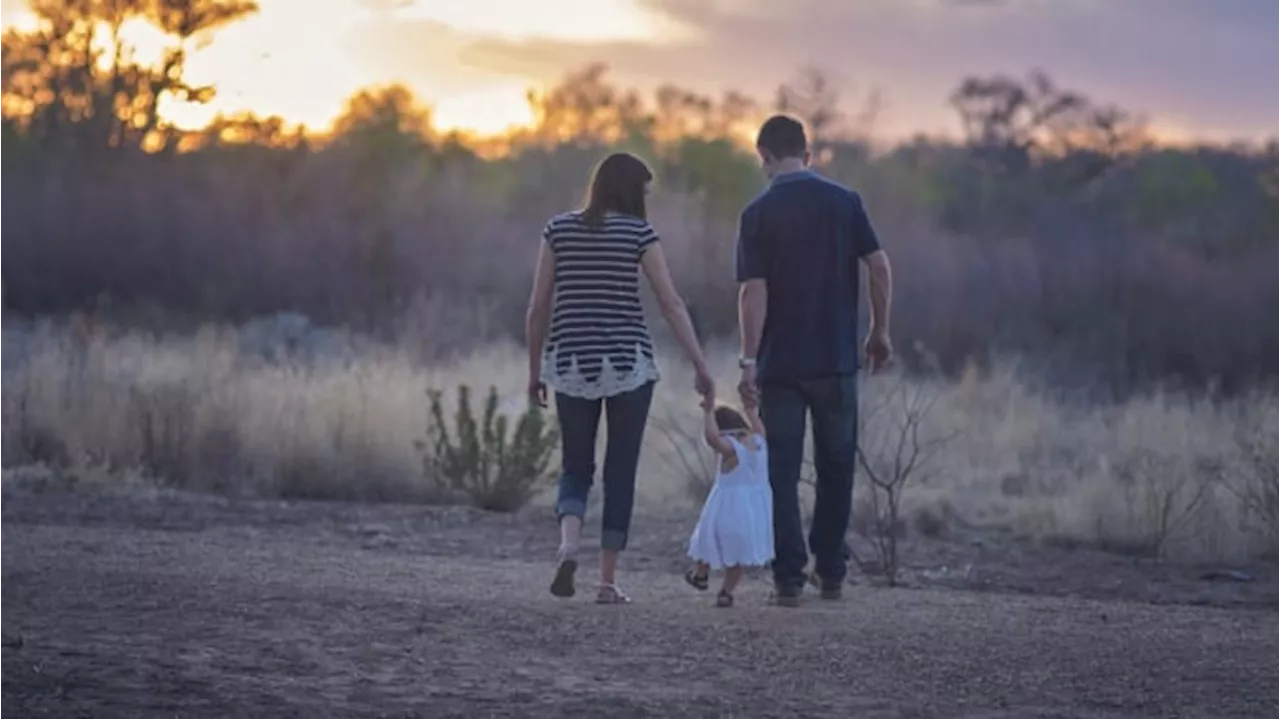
(707, 403)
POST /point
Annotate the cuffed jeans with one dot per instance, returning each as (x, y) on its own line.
(784, 406)
(626, 415)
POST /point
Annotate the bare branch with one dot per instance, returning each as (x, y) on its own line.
(686, 455)
(901, 453)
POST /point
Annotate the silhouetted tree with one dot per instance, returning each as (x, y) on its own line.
(383, 112)
(246, 128)
(63, 85)
(1009, 121)
(1090, 254)
(585, 108)
(811, 97)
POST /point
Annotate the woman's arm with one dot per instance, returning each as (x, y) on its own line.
(711, 432)
(654, 264)
(538, 315)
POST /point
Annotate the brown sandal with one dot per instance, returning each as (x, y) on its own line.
(696, 579)
(610, 594)
(724, 600)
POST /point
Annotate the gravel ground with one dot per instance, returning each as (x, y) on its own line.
(196, 607)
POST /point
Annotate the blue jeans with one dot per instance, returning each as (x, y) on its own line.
(784, 406)
(626, 415)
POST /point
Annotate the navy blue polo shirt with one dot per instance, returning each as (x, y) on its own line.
(804, 236)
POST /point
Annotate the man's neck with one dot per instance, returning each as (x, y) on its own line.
(788, 166)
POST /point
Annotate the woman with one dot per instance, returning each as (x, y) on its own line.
(599, 355)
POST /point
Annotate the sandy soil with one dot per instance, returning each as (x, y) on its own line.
(201, 607)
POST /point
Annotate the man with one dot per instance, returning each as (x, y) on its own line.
(799, 245)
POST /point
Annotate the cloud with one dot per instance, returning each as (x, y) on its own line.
(13, 6)
(419, 52)
(1191, 63)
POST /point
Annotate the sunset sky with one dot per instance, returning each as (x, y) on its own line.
(1203, 68)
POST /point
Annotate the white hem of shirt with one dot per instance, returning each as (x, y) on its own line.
(611, 381)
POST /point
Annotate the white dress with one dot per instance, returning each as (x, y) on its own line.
(736, 526)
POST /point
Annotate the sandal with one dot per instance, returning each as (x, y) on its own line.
(610, 594)
(696, 579)
(562, 585)
(724, 600)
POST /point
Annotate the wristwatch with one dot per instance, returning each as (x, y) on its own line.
(745, 362)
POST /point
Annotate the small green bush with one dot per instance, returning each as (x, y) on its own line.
(479, 461)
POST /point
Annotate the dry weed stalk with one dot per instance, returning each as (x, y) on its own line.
(898, 453)
(1256, 484)
(686, 453)
(1161, 498)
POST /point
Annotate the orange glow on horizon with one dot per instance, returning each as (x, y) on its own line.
(301, 60)
(255, 69)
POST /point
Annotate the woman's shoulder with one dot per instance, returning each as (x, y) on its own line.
(572, 218)
(612, 222)
(624, 225)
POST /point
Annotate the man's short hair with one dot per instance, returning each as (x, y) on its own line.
(782, 136)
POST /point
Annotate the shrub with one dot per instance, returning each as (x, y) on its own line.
(684, 452)
(1161, 499)
(1256, 481)
(898, 450)
(479, 461)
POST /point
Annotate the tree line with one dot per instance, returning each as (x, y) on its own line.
(1054, 229)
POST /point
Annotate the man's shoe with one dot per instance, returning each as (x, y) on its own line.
(786, 597)
(830, 591)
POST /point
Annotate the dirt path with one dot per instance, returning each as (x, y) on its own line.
(102, 619)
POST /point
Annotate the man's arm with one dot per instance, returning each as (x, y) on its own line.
(879, 286)
(880, 278)
(879, 289)
(753, 302)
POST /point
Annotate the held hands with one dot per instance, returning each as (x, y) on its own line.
(707, 403)
(704, 385)
(748, 389)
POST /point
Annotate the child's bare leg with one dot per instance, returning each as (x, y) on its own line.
(732, 576)
(702, 569)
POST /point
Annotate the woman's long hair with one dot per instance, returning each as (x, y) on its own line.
(617, 185)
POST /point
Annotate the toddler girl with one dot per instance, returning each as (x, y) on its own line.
(735, 529)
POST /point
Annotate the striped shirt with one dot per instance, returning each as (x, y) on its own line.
(599, 343)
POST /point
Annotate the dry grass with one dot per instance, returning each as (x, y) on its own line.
(1164, 475)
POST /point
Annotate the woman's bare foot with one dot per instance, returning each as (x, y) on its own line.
(567, 557)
